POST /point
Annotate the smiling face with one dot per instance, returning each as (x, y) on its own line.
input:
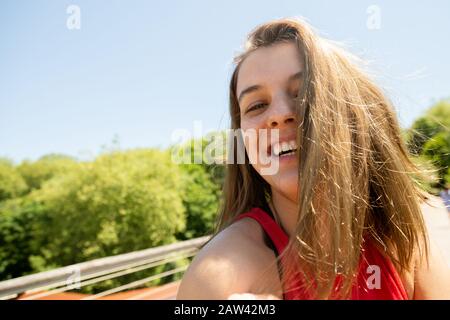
(268, 82)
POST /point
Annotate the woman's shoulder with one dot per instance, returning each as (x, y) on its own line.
(229, 263)
(431, 274)
(428, 276)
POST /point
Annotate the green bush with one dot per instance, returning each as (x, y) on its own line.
(201, 199)
(119, 203)
(59, 211)
(429, 136)
(12, 184)
(36, 173)
(435, 120)
(19, 236)
(438, 150)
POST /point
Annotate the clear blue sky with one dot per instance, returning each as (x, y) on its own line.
(140, 69)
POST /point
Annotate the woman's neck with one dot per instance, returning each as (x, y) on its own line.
(287, 212)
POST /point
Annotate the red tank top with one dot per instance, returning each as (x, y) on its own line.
(386, 286)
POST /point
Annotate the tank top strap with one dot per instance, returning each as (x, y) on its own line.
(278, 237)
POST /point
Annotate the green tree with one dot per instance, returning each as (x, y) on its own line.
(18, 234)
(438, 150)
(36, 173)
(11, 182)
(122, 202)
(200, 198)
(429, 136)
(202, 160)
(435, 120)
(202, 151)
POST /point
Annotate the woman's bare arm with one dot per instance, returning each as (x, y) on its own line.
(227, 265)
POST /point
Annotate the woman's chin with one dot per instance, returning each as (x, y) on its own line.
(286, 183)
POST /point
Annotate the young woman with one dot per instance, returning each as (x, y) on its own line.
(341, 217)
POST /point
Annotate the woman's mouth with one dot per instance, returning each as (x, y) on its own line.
(283, 148)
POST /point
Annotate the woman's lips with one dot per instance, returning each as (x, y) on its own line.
(282, 147)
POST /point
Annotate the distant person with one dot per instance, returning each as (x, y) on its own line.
(445, 195)
(341, 217)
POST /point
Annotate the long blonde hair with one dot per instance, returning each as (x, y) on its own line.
(354, 171)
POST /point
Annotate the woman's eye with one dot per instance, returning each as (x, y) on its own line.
(256, 106)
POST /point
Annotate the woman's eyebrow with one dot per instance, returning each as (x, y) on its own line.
(248, 90)
(296, 76)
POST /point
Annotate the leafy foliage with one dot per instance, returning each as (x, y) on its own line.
(429, 137)
(12, 184)
(36, 173)
(200, 198)
(57, 211)
(121, 202)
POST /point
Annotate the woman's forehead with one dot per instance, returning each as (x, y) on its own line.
(271, 64)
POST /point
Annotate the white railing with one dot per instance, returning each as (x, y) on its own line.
(40, 285)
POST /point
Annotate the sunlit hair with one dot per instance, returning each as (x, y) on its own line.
(356, 180)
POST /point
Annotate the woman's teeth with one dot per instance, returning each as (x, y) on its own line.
(285, 147)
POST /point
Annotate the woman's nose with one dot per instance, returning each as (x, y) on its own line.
(281, 113)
